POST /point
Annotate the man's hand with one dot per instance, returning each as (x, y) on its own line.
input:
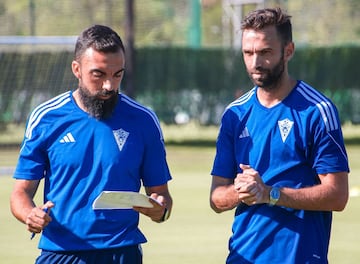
(38, 219)
(250, 187)
(156, 213)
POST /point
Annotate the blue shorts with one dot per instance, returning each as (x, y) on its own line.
(122, 255)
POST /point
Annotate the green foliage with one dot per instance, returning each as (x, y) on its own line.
(172, 80)
(327, 68)
(27, 79)
(159, 22)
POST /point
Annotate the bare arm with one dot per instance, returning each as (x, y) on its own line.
(21, 200)
(330, 195)
(223, 195)
(24, 209)
(162, 195)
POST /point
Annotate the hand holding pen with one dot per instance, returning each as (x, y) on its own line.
(39, 218)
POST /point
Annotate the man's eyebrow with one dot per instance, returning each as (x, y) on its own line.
(120, 71)
(258, 50)
(103, 72)
(96, 70)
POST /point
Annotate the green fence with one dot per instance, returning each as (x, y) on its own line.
(179, 83)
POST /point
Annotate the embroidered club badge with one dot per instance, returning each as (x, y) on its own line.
(285, 128)
(120, 136)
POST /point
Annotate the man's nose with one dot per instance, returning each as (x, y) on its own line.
(108, 85)
(256, 61)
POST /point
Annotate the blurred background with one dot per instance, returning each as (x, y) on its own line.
(183, 56)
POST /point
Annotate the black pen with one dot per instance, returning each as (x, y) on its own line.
(33, 234)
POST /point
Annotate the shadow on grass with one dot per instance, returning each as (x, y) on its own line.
(191, 143)
(352, 141)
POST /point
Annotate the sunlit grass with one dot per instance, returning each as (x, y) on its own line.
(194, 233)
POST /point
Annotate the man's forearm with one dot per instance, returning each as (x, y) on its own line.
(224, 198)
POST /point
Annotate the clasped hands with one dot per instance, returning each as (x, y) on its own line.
(250, 187)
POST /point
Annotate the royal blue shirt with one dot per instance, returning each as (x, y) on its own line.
(289, 144)
(80, 156)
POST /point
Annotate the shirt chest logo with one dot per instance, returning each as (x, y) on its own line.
(245, 133)
(68, 138)
(285, 127)
(120, 136)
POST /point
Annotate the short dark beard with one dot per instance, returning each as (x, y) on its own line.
(98, 108)
(273, 76)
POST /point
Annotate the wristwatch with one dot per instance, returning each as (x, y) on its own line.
(274, 196)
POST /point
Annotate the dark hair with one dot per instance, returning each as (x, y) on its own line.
(101, 38)
(261, 18)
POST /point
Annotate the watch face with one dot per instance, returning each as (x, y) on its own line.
(275, 193)
(274, 196)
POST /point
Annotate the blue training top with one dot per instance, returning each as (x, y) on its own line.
(79, 157)
(289, 145)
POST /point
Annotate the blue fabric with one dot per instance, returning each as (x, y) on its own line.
(79, 157)
(124, 255)
(289, 145)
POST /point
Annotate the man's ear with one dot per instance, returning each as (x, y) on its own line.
(75, 66)
(289, 51)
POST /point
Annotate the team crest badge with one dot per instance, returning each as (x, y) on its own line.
(285, 128)
(120, 136)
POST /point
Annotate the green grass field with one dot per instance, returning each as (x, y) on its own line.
(194, 233)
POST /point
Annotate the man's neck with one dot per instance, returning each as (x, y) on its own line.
(78, 101)
(270, 97)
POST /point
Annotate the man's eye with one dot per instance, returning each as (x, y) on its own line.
(97, 74)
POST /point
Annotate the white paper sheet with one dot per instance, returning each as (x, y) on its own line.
(121, 200)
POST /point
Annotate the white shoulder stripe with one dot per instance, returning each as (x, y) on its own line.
(339, 147)
(322, 103)
(48, 103)
(243, 99)
(44, 108)
(133, 103)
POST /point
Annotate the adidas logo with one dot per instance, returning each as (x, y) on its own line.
(244, 133)
(68, 138)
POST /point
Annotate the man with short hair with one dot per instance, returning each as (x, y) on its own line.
(280, 159)
(82, 143)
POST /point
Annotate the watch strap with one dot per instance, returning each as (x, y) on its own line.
(165, 215)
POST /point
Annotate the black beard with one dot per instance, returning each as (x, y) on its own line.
(272, 78)
(98, 108)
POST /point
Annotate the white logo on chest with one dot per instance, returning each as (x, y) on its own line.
(120, 136)
(285, 128)
(68, 138)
